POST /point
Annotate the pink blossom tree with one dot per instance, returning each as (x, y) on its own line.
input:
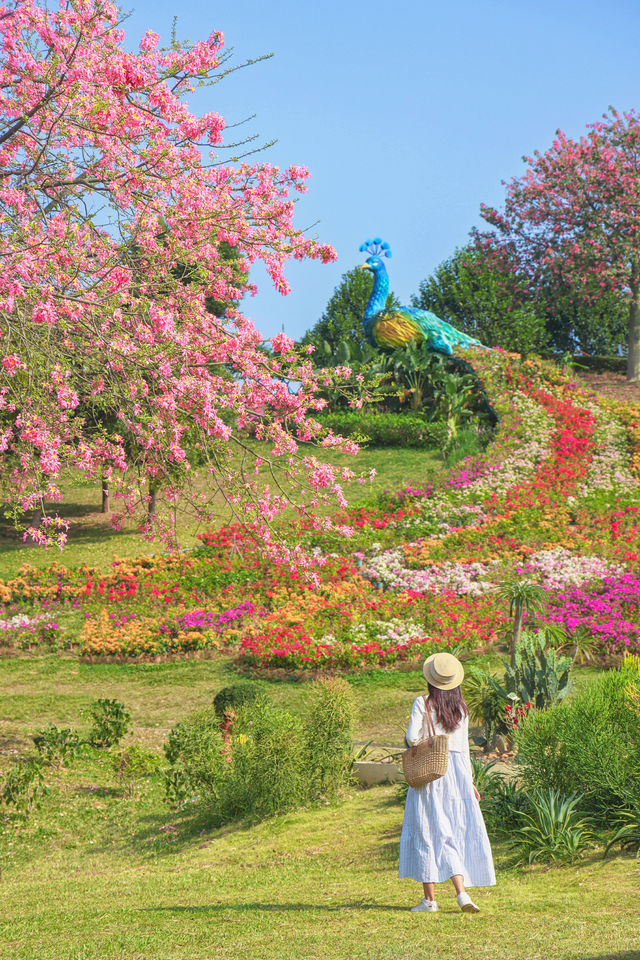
(573, 218)
(107, 182)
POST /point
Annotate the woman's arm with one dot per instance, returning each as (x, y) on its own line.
(416, 723)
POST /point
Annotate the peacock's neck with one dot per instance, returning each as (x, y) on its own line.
(379, 294)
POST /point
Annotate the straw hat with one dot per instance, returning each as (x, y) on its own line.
(443, 670)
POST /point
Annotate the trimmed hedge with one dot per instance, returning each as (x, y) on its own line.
(386, 429)
(602, 364)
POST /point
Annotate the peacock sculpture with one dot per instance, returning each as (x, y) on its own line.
(397, 326)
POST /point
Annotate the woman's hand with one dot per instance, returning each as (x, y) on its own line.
(476, 794)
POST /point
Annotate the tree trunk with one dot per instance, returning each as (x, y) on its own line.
(633, 362)
(152, 501)
(105, 496)
(517, 630)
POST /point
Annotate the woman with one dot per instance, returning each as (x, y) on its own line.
(443, 832)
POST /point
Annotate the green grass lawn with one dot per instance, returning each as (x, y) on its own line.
(99, 876)
(102, 881)
(93, 541)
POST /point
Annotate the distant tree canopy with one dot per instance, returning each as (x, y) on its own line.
(496, 304)
(342, 318)
(571, 225)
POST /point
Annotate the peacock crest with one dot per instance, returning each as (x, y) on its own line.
(376, 248)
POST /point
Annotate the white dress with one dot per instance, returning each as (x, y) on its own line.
(443, 831)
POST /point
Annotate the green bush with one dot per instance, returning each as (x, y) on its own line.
(111, 721)
(551, 828)
(132, 765)
(329, 737)
(266, 761)
(235, 696)
(23, 786)
(602, 364)
(589, 744)
(266, 773)
(194, 749)
(56, 746)
(387, 429)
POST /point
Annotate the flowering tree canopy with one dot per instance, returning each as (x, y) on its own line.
(110, 188)
(574, 218)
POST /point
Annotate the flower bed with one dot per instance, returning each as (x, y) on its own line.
(552, 499)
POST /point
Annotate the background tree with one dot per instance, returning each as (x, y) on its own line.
(492, 301)
(107, 181)
(573, 219)
(483, 300)
(341, 321)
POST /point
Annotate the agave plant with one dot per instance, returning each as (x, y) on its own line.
(485, 778)
(551, 828)
(628, 832)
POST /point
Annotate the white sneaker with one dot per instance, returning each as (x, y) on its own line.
(466, 904)
(425, 906)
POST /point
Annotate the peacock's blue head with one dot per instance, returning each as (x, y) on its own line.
(378, 250)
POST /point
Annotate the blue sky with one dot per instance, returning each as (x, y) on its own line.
(408, 116)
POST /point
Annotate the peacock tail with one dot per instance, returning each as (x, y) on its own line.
(396, 328)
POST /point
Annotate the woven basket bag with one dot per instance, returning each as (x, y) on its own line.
(429, 759)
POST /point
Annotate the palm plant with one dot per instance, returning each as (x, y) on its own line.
(524, 596)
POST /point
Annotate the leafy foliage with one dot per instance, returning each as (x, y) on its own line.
(235, 696)
(386, 429)
(262, 760)
(489, 303)
(329, 737)
(56, 746)
(589, 743)
(111, 721)
(341, 322)
(132, 765)
(23, 786)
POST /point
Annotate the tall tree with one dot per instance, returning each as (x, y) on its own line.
(100, 156)
(492, 300)
(573, 219)
(488, 303)
(342, 317)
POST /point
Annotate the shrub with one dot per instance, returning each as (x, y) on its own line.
(132, 765)
(23, 786)
(387, 429)
(263, 760)
(486, 702)
(329, 737)
(111, 721)
(235, 696)
(551, 829)
(56, 745)
(194, 749)
(266, 773)
(589, 744)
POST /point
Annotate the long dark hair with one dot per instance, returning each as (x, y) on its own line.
(449, 706)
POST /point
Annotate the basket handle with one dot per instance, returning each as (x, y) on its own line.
(431, 730)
